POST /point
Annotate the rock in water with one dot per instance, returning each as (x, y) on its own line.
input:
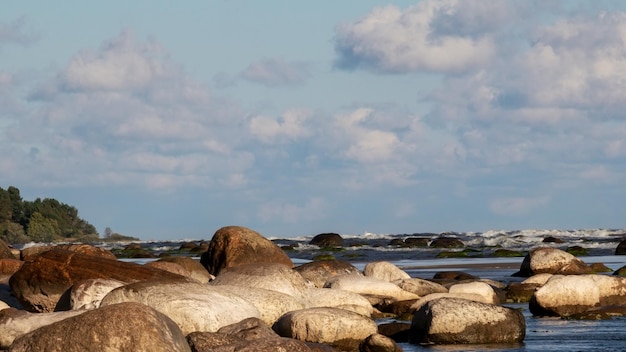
(131, 327)
(333, 326)
(235, 245)
(553, 261)
(460, 321)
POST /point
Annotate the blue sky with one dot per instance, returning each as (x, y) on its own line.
(167, 120)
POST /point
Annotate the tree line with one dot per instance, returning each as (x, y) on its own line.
(41, 220)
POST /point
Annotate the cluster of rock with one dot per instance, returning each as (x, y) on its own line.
(245, 294)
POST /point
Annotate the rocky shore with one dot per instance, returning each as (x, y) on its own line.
(246, 294)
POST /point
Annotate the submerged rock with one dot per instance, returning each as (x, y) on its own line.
(327, 240)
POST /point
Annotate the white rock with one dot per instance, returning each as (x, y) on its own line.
(336, 298)
(15, 323)
(325, 325)
(271, 304)
(370, 287)
(460, 295)
(476, 287)
(88, 294)
(539, 279)
(193, 306)
(270, 276)
(384, 271)
(421, 287)
(564, 295)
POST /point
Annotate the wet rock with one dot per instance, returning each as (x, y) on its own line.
(599, 268)
(327, 240)
(384, 271)
(518, 292)
(552, 261)
(552, 239)
(398, 331)
(40, 283)
(447, 242)
(143, 330)
(577, 251)
(318, 272)
(336, 327)
(621, 271)
(453, 276)
(193, 306)
(621, 248)
(235, 245)
(459, 321)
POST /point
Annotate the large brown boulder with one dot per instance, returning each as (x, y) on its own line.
(269, 276)
(40, 283)
(193, 266)
(9, 266)
(552, 261)
(318, 272)
(31, 253)
(235, 245)
(121, 327)
(5, 251)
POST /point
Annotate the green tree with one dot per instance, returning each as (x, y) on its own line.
(42, 229)
(6, 209)
(17, 204)
(12, 233)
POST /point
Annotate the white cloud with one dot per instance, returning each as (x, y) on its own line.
(121, 64)
(420, 38)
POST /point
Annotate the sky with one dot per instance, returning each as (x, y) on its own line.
(169, 120)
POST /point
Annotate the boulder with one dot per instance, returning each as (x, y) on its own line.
(612, 289)
(564, 295)
(621, 248)
(270, 304)
(447, 276)
(193, 306)
(234, 245)
(121, 327)
(248, 335)
(5, 251)
(333, 326)
(539, 279)
(447, 242)
(327, 240)
(193, 266)
(375, 290)
(385, 271)
(318, 272)
(15, 323)
(3, 305)
(621, 271)
(9, 266)
(552, 261)
(87, 294)
(379, 343)
(519, 292)
(468, 296)
(40, 283)
(31, 253)
(270, 276)
(476, 287)
(459, 321)
(335, 298)
(421, 287)
(172, 268)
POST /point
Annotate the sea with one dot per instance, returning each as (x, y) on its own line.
(478, 258)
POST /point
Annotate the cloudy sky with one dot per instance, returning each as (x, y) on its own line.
(169, 120)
